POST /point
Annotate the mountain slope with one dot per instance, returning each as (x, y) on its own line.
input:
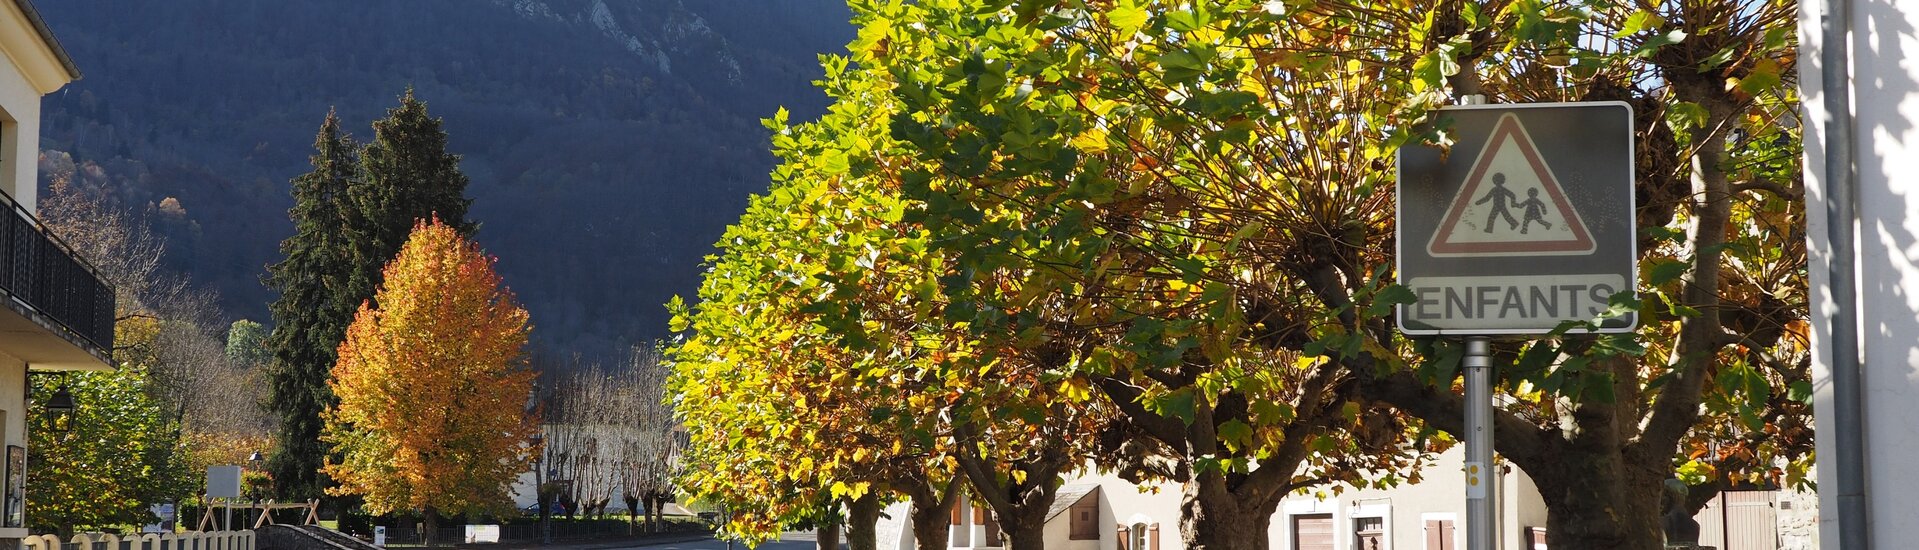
(609, 141)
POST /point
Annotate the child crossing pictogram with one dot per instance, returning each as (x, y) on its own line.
(1481, 220)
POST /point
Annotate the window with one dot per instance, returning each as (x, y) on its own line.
(1369, 533)
(1084, 516)
(1314, 532)
(1138, 537)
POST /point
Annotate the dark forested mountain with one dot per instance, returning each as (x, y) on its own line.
(608, 141)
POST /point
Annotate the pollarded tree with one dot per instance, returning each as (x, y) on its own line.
(651, 443)
(817, 418)
(432, 386)
(1712, 388)
(1149, 195)
(1213, 180)
(583, 435)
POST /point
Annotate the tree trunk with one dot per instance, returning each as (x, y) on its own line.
(430, 532)
(932, 521)
(1596, 504)
(862, 525)
(633, 512)
(828, 533)
(1025, 535)
(1213, 518)
(655, 513)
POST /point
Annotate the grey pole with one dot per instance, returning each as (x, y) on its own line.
(1479, 473)
(1479, 444)
(1835, 90)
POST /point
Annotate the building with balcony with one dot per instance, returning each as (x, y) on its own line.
(56, 312)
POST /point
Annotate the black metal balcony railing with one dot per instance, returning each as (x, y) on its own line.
(40, 271)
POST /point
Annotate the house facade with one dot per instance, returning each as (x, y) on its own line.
(56, 312)
(1104, 512)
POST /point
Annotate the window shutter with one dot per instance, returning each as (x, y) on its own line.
(1085, 519)
(1152, 537)
(956, 513)
(1435, 538)
(1125, 537)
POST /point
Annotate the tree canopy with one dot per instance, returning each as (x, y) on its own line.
(432, 385)
(351, 214)
(1178, 218)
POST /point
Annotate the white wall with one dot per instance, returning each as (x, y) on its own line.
(1123, 502)
(1885, 60)
(19, 134)
(1059, 535)
(13, 410)
(1441, 494)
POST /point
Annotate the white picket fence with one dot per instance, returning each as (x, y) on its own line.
(192, 540)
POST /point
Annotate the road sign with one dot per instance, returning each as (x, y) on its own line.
(1525, 224)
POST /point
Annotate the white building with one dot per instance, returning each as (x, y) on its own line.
(1103, 512)
(1859, 86)
(56, 314)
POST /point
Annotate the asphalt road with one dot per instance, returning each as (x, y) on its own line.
(792, 541)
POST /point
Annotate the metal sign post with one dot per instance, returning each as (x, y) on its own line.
(1526, 224)
(1479, 443)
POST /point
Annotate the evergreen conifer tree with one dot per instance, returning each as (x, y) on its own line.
(408, 176)
(351, 215)
(311, 315)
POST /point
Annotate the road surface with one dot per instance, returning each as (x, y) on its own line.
(792, 541)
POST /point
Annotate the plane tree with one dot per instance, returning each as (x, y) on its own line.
(1151, 193)
(1712, 389)
(892, 394)
(1176, 219)
(786, 410)
(1219, 177)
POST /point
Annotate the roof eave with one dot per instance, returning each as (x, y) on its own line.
(46, 36)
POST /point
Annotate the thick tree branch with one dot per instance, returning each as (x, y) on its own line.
(1126, 397)
(1776, 188)
(976, 469)
(1519, 440)
(1700, 336)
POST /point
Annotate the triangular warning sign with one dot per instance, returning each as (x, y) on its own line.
(1510, 205)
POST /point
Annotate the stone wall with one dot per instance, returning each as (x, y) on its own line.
(1798, 520)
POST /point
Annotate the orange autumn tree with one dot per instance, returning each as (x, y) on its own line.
(432, 385)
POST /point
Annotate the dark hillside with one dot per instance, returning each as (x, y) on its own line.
(609, 142)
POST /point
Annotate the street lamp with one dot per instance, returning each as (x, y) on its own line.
(61, 402)
(60, 405)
